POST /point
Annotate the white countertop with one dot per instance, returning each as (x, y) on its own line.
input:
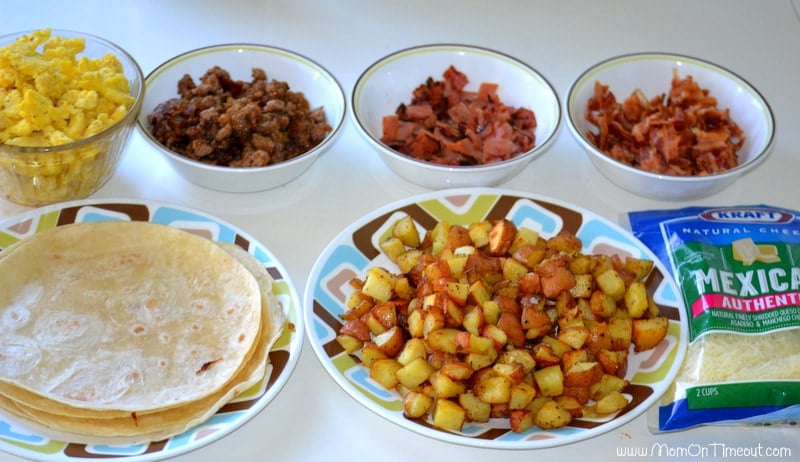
(312, 418)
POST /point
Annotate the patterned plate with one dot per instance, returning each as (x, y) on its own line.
(16, 439)
(356, 249)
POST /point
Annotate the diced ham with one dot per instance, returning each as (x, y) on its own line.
(446, 124)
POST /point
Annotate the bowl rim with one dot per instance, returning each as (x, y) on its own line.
(454, 46)
(251, 46)
(132, 112)
(597, 155)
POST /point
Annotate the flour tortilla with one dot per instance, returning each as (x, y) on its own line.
(239, 321)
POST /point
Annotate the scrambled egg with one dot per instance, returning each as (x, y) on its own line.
(51, 96)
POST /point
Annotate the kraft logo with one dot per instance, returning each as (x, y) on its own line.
(747, 215)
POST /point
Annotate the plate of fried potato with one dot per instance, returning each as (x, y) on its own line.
(495, 318)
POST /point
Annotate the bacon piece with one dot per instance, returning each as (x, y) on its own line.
(683, 133)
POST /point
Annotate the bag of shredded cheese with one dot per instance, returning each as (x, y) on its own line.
(738, 270)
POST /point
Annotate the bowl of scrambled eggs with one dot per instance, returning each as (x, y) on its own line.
(68, 103)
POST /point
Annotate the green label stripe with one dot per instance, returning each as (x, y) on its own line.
(723, 294)
(749, 394)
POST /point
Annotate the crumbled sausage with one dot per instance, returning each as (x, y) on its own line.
(221, 121)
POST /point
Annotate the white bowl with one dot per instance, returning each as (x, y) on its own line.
(652, 73)
(390, 81)
(302, 75)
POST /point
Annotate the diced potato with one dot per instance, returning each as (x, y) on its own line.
(520, 420)
(443, 340)
(556, 346)
(384, 371)
(530, 255)
(513, 371)
(574, 336)
(639, 267)
(556, 281)
(407, 260)
(478, 361)
(448, 415)
(457, 370)
(477, 410)
(582, 264)
(565, 242)
(636, 299)
(599, 338)
(501, 236)
(524, 236)
(382, 317)
(416, 323)
(647, 333)
(491, 312)
(434, 320)
(349, 343)
(416, 404)
(402, 288)
(522, 357)
(405, 230)
(611, 403)
(613, 362)
(458, 292)
(445, 386)
(479, 233)
(611, 283)
(574, 357)
(356, 328)
(551, 416)
(415, 373)
(457, 238)
(392, 247)
(391, 342)
(607, 384)
(583, 374)
(544, 355)
(521, 395)
(550, 380)
(621, 332)
(513, 270)
(602, 304)
(371, 353)
(479, 293)
(473, 319)
(512, 326)
(494, 389)
(379, 284)
(570, 404)
(458, 262)
(414, 348)
(498, 337)
(584, 285)
(439, 235)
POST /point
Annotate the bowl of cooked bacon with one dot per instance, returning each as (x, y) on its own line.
(668, 126)
(451, 115)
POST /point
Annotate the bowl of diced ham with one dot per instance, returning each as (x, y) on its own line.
(450, 115)
(667, 126)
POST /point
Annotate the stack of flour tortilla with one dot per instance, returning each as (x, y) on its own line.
(131, 331)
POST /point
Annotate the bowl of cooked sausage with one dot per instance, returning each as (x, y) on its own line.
(667, 126)
(241, 117)
(452, 115)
